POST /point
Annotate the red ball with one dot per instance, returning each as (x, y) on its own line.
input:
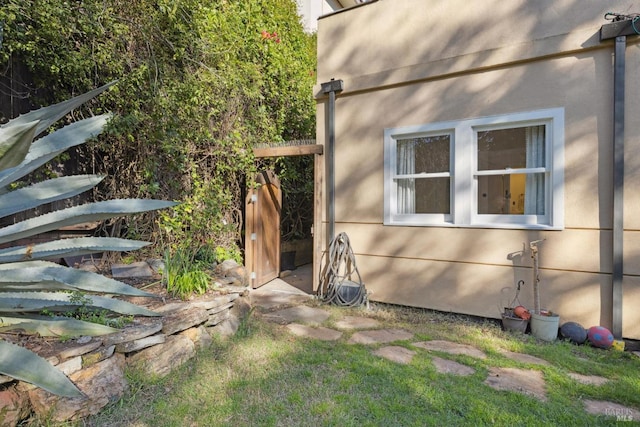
(600, 337)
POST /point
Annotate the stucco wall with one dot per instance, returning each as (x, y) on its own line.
(407, 64)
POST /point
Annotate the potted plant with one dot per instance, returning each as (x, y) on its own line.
(515, 317)
(544, 323)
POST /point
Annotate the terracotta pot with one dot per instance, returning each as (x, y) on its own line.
(522, 312)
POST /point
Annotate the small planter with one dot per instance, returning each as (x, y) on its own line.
(514, 324)
(545, 326)
(288, 260)
(301, 250)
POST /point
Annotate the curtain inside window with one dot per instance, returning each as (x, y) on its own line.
(534, 191)
(406, 187)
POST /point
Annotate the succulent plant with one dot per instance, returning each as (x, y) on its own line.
(29, 282)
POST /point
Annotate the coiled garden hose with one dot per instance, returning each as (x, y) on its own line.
(340, 281)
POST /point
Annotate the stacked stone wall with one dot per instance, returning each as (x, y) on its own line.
(97, 365)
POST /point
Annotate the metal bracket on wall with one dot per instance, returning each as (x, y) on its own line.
(621, 27)
(332, 86)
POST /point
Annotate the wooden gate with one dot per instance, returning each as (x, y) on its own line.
(262, 247)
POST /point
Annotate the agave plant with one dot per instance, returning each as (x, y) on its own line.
(29, 282)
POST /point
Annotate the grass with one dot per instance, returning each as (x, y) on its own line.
(267, 377)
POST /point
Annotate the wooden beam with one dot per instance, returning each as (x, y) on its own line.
(287, 151)
(627, 27)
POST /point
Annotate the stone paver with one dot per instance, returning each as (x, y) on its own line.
(588, 379)
(396, 354)
(610, 409)
(445, 366)
(301, 314)
(357, 322)
(305, 321)
(273, 299)
(524, 358)
(525, 381)
(451, 348)
(380, 336)
(135, 269)
(277, 293)
(319, 333)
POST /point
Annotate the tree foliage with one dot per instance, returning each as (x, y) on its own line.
(200, 83)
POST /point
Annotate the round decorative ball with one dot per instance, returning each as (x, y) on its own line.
(574, 332)
(600, 336)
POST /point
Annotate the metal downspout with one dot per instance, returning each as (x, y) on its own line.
(618, 184)
(331, 87)
(621, 26)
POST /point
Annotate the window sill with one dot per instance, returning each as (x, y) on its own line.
(545, 227)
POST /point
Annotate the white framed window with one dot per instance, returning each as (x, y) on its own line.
(500, 171)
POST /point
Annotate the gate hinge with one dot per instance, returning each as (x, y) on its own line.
(253, 275)
(254, 236)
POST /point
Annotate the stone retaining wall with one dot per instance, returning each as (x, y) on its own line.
(96, 365)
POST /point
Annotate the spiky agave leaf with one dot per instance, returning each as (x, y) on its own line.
(89, 212)
(50, 146)
(53, 326)
(15, 137)
(69, 247)
(15, 143)
(24, 365)
(46, 116)
(47, 191)
(48, 276)
(34, 302)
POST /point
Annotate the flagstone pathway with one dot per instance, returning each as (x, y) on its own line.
(307, 322)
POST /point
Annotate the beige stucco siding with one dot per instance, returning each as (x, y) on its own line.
(390, 42)
(631, 291)
(413, 66)
(569, 250)
(465, 288)
(632, 139)
(632, 254)
(525, 87)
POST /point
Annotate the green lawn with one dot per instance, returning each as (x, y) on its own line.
(267, 377)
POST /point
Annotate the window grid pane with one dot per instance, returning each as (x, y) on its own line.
(514, 193)
(424, 196)
(423, 155)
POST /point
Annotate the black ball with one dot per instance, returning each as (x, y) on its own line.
(574, 332)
